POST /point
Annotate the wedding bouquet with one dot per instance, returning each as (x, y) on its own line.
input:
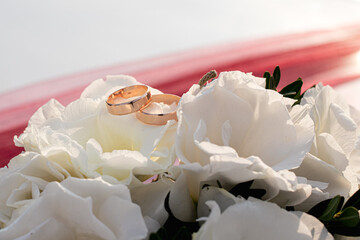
(234, 158)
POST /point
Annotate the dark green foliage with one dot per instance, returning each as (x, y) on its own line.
(333, 207)
(346, 231)
(339, 218)
(349, 217)
(290, 208)
(267, 76)
(276, 75)
(155, 236)
(272, 81)
(293, 90)
(243, 190)
(319, 208)
(159, 235)
(174, 229)
(354, 200)
(182, 233)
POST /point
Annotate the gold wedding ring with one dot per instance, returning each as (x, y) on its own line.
(158, 118)
(128, 100)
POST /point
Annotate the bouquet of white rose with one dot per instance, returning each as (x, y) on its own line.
(233, 159)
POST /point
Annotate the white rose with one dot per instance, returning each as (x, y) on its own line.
(282, 187)
(335, 152)
(25, 178)
(235, 115)
(79, 209)
(150, 197)
(92, 142)
(255, 219)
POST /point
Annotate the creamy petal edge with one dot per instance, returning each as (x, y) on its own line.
(94, 213)
(211, 110)
(283, 187)
(81, 134)
(245, 218)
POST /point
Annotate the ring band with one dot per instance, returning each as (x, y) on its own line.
(128, 100)
(159, 118)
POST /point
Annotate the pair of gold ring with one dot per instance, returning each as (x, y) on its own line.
(137, 98)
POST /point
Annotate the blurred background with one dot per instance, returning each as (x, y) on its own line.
(43, 39)
(54, 49)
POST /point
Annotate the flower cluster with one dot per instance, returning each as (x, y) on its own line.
(243, 161)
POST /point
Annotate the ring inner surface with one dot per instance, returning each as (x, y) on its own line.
(167, 99)
(127, 95)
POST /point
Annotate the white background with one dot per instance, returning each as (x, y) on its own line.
(42, 39)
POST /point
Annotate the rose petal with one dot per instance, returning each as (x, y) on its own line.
(238, 221)
(86, 208)
(315, 169)
(329, 151)
(55, 203)
(317, 229)
(150, 197)
(235, 105)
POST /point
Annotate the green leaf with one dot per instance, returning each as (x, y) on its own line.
(272, 83)
(277, 76)
(243, 190)
(299, 99)
(182, 234)
(173, 225)
(256, 193)
(333, 207)
(354, 200)
(345, 231)
(155, 236)
(342, 199)
(319, 208)
(302, 95)
(293, 90)
(162, 233)
(267, 76)
(290, 208)
(349, 217)
(289, 94)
